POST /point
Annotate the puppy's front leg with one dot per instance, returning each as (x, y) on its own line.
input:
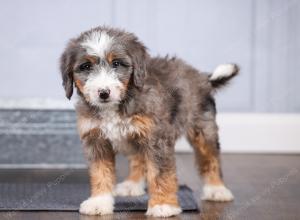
(162, 182)
(102, 177)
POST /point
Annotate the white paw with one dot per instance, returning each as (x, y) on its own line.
(130, 188)
(98, 205)
(163, 210)
(216, 193)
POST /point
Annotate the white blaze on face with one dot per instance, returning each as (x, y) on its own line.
(97, 42)
(103, 80)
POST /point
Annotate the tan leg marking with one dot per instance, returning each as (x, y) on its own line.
(207, 157)
(102, 177)
(162, 187)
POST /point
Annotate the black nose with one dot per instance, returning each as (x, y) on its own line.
(103, 93)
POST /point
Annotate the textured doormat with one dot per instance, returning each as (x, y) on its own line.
(67, 197)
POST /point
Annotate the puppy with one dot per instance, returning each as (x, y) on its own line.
(132, 103)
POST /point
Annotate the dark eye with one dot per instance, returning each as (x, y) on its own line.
(85, 66)
(116, 63)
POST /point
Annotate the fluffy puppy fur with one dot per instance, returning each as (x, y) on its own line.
(132, 103)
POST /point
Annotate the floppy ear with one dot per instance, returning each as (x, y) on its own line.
(66, 67)
(139, 65)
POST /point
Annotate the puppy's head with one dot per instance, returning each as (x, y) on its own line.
(103, 64)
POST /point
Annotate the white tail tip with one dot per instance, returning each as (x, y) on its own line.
(223, 71)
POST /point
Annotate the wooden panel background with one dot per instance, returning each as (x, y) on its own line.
(262, 36)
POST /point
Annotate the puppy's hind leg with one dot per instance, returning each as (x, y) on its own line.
(162, 180)
(204, 140)
(134, 185)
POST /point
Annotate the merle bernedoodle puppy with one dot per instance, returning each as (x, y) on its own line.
(138, 105)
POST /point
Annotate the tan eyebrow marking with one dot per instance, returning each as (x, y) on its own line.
(92, 59)
(110, 57)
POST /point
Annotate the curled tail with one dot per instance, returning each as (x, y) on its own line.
(222, 75)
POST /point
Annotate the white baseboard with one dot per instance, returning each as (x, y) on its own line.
(256, 133)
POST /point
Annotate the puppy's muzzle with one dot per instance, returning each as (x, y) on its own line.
(104, 94)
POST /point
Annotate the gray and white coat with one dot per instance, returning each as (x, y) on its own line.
(139, 105)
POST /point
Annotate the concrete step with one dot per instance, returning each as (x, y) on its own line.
(39, 137)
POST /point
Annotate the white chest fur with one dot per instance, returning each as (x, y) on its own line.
(117, 129)
(113, 127)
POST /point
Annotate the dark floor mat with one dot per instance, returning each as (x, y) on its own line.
(67, 197)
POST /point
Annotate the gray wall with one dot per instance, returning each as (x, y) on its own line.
(263, 36)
